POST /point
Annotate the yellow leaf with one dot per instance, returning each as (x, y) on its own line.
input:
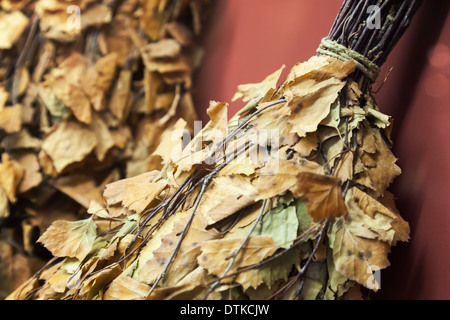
(32, 176)
(70, 238)
(126, 288)
(11, 173)
(310, 102)
(11, 118)
(258, 90)
(12, 25)
(135, 193)
(279, 175)
(186, 259)
(225, 196)
(215, 255)
(70, 142)
(80, 187)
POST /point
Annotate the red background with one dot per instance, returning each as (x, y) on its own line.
(246, 40)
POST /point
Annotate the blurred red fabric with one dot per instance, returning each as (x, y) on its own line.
(246, 40)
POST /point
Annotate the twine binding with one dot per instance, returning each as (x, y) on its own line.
(336, 50)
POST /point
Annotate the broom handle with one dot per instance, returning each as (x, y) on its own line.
(372, 27)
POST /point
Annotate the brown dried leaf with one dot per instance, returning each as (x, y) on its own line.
(135, 193)
(32, 176)
(70, 238)
(11, 174)
(356, 257)
(179, 32)
(170, 148)
(11, 118)
(179, 292)
(54, 19)
(126, 288)
(98, 79)
(21, 140)
(215, 253)
(225, 196)
(80, 187)
(371, 219)
(69, 142)
(381, 170)
(279, 175)
(258, 90)
(322, 195)
(74, 98)
(307, 144)
(119, 104)
(164, 48)
(186, 259)
(310, 102)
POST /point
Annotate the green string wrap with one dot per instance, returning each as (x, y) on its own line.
(332, 48)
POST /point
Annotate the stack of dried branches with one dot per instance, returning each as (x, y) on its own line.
(87, 87)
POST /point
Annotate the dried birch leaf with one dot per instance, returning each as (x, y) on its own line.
(380, 176)
(225, 196)
(281, 223)
(126, 288)
(70, 238)
(81, 188)
(69, 142)
(21, 140)
(135, 193)
(279, 175)
(307, 144)
(322, 195)
(4, 204)
(164, 48)
(256, 91)
(310, 102)
(12, 25)
(11, 118)
(371, 219)
(356, 257)
(32, 176)
(11, 174)
(170, 148)
(119, 104)
(215, 253)
(180, 33)
(74, 98)
(186, 260)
